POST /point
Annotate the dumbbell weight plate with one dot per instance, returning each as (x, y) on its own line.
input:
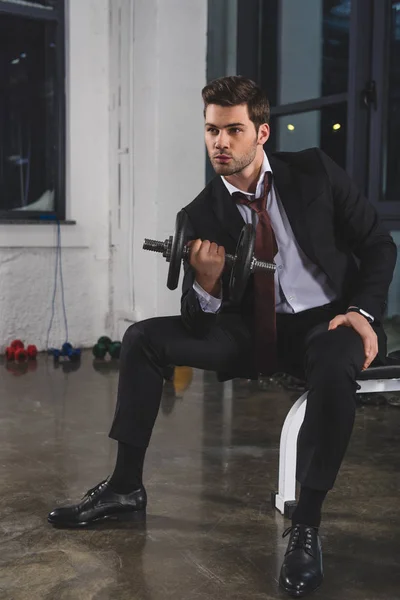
(115, 349)
(242, 266)
(178, 244)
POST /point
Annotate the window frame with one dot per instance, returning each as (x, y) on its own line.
(388, 209)
(57, 15)
(368, 61)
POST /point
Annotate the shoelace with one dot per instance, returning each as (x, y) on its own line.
(301, 539)
(93, 492)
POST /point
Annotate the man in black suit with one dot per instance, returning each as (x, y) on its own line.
(319, 317)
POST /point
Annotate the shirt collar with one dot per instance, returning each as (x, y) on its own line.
(259, 189)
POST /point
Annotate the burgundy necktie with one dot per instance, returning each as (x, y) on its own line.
(264, 285)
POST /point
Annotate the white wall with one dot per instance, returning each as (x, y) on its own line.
(166, 66)
(169, 68)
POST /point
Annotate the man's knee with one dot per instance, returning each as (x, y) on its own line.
(139, 333)
(333, 356)
(133, 334)
(151, 336)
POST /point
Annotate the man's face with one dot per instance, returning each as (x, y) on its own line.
(231, 138)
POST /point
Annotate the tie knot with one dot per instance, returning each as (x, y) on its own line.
(241, 198)
(258, 204)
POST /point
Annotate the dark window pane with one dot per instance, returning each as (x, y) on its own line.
(309, 53)
(336, 35)
(393, 307)
(35, 3)
(392, 157)
(324, 128)
(28, 115)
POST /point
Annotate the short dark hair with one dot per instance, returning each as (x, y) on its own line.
(235, 90)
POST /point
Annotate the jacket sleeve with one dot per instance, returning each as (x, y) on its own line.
(195, 320)
(369, 241)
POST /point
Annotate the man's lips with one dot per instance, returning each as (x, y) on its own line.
(223, 158)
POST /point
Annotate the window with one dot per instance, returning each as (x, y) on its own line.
(331, 71)
(384, 115)
(391, 152)
(312, 49)
(325, 128)
(49, 4)
(31, 109)
(311, 62)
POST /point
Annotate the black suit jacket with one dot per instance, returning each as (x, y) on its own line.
(333, 223)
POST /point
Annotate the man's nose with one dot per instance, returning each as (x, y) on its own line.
(222, 140)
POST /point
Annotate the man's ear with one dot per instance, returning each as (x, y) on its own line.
(263, 134)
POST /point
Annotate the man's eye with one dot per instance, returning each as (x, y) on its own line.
(236, 130)
(212, 130)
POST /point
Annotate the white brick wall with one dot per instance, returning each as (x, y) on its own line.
(169, 65)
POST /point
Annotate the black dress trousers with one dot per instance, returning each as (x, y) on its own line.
(329, 361)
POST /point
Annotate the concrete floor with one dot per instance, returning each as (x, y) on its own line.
(210, 531)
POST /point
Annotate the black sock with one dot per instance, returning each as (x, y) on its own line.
(308, 510)
(128, 472)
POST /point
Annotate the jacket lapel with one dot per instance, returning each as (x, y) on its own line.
(226, 209)
(290, 194)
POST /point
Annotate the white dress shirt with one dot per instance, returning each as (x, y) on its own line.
(299, 283)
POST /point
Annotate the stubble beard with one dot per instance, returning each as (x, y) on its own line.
(236, 165)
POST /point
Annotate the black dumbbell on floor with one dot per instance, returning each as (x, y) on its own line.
(242, 264)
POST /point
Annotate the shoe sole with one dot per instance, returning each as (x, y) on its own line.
(137, 515)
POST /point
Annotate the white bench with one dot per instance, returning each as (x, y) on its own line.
(374, 379)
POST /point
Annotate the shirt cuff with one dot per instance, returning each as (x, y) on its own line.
(208, 303)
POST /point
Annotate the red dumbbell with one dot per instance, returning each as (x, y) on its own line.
(21, 355)
(32, 352)
(17, 352)
(16, 344)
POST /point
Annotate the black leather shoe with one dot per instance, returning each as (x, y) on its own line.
(99, 504)
(301, 571)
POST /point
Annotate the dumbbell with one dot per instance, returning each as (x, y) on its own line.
(66, 353)
(242, 264)
(104, 345)
(16, 351)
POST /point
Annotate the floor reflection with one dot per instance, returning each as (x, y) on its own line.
(212, 463)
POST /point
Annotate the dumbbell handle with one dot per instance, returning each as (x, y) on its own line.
(164, 248)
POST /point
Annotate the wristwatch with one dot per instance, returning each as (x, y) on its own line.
(362, 312)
